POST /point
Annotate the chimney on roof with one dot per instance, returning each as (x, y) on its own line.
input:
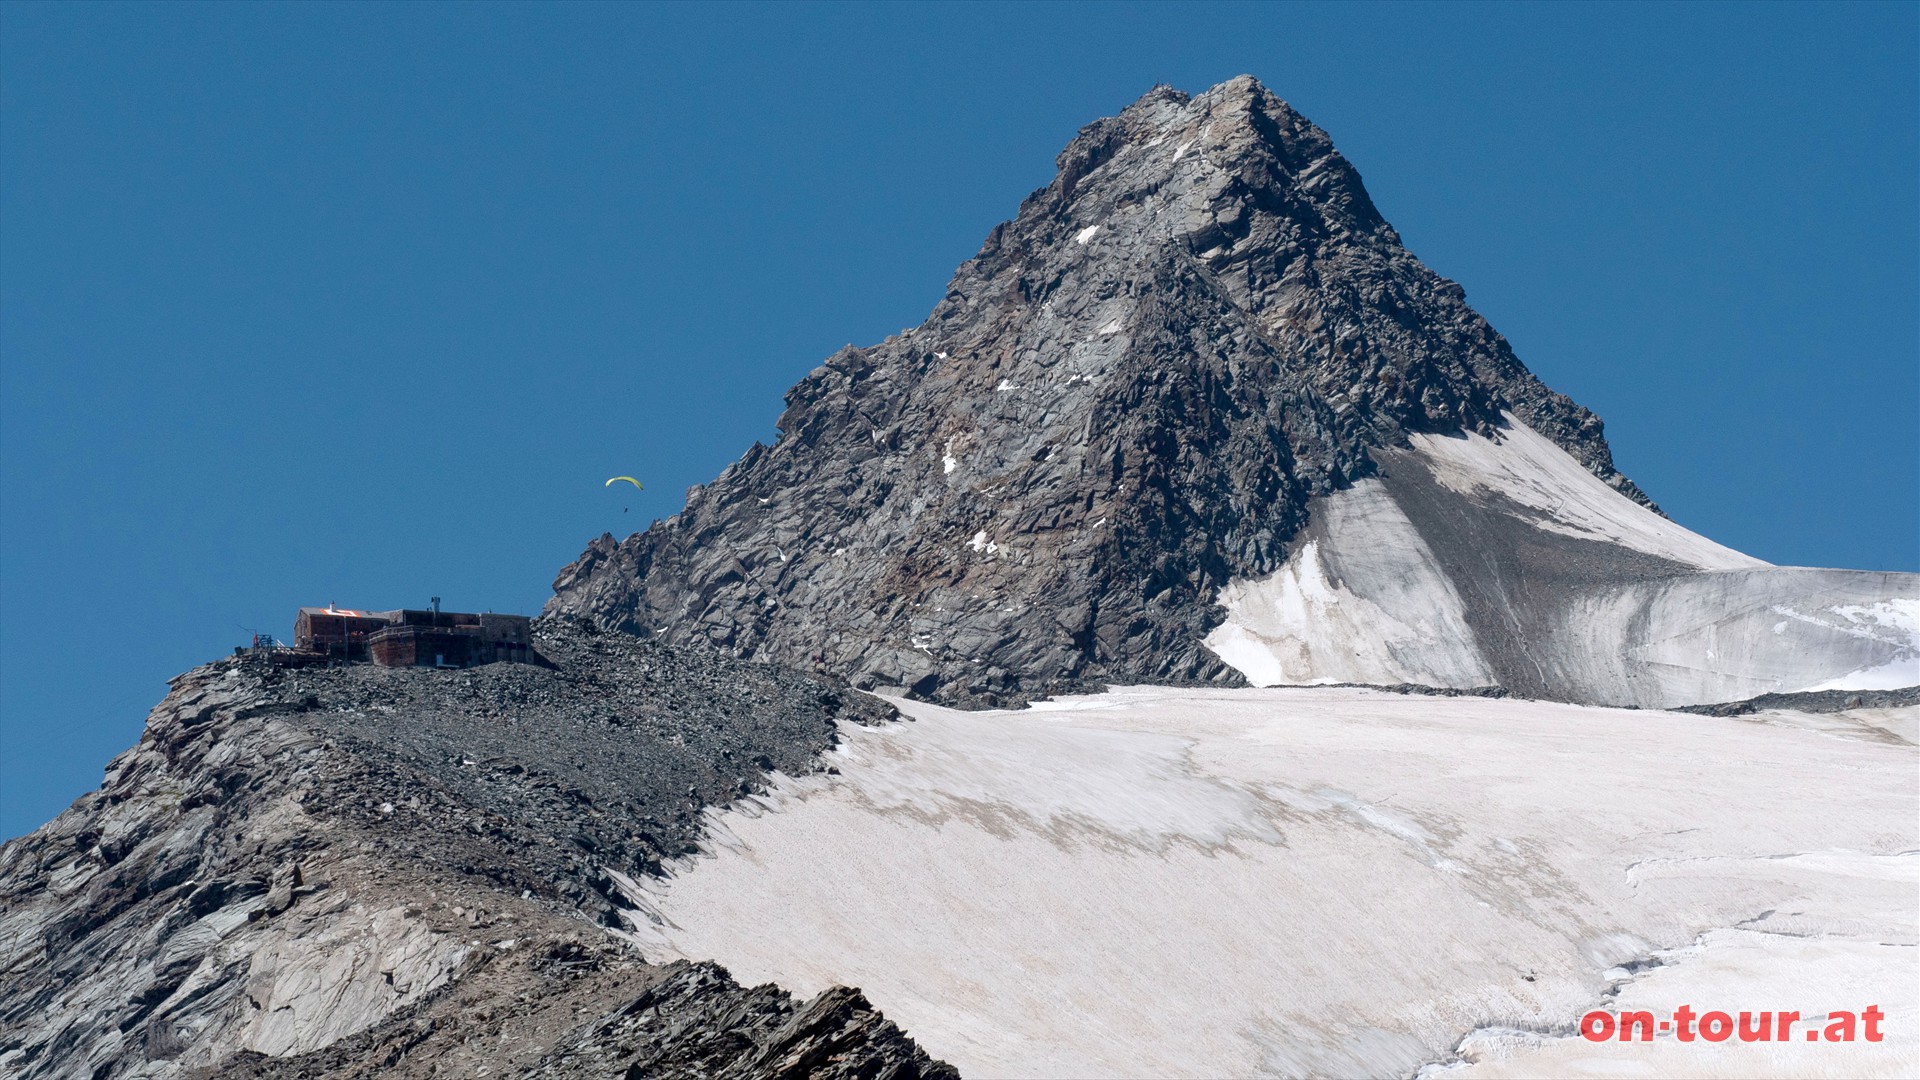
(436, 605)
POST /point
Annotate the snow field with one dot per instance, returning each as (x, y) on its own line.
(1157, 882)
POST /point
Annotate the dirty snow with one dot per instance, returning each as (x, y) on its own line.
(1712, 636)
(1369, 608)
(1899, 672)
(1810, 977)
(1369, 597)
(1322, 881)
(1529, 469)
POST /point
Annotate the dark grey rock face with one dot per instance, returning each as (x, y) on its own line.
(1125, 399)
(698, 1024)
(397, 873)
(603, 760)
(1816, 701)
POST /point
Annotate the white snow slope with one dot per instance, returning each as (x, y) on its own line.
(1330, 882)
(1475, 562)
(1305, 624)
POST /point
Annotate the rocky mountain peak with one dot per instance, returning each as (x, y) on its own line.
(1240, 146)
(1124, 400)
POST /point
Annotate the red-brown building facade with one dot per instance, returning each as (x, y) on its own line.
(409, 638)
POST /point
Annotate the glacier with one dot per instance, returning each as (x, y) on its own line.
(1327, 881)
(1474, 562)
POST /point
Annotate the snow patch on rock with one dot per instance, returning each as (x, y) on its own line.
(1527, 468)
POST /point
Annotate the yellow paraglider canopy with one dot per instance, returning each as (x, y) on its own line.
(628, 479)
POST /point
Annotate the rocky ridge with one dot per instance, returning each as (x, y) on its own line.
(364, 871)
(1125, 400)
(737, 1035)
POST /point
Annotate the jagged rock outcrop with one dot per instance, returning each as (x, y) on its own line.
(698, 1025)
(366, 871)
(692, 1021)
(1125, 401)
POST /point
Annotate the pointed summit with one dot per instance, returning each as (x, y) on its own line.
(1254, 138)
(1126, 401)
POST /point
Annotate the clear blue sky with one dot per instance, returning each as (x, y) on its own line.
(360, 304)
